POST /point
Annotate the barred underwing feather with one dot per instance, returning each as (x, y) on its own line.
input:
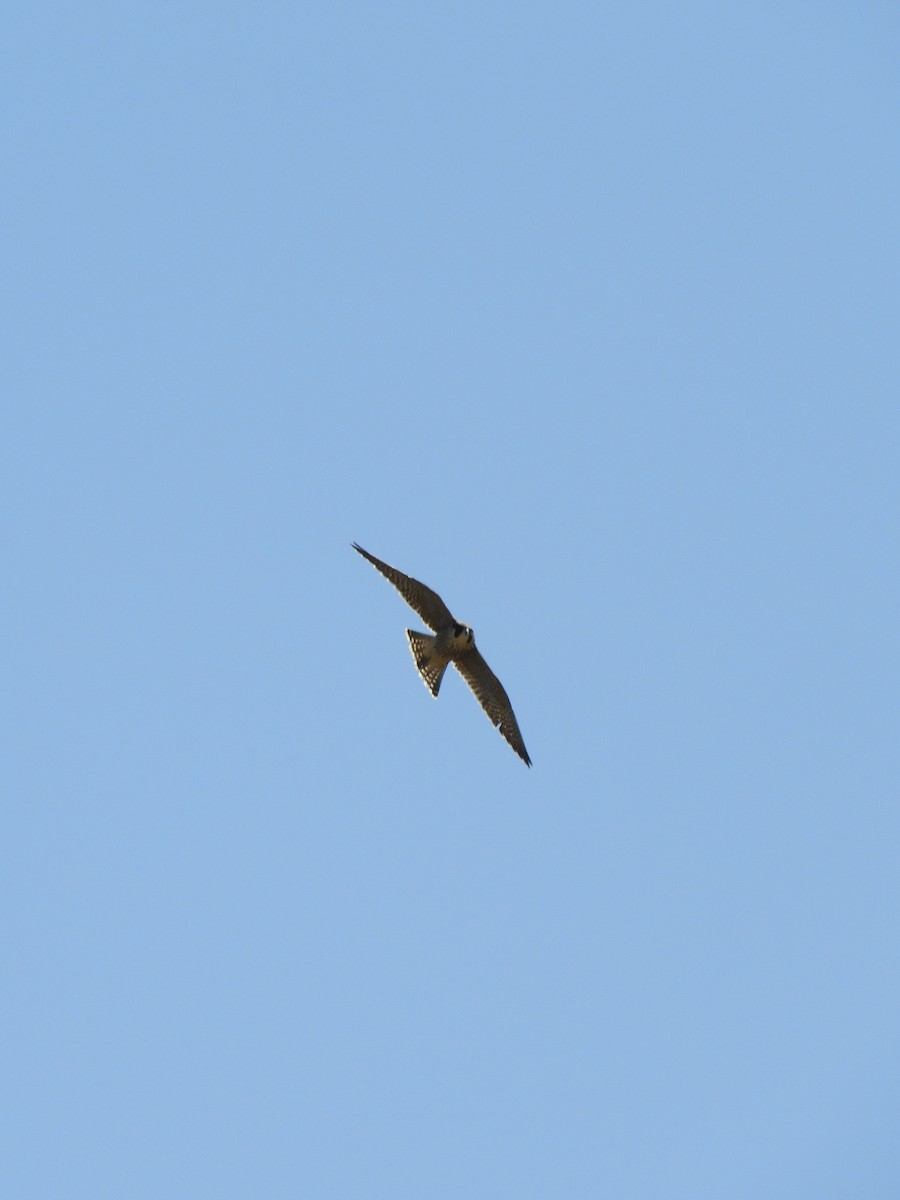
(428, 604)
(492, 697)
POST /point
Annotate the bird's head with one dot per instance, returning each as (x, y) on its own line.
(463, 636)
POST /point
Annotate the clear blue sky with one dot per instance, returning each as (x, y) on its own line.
(588, 316)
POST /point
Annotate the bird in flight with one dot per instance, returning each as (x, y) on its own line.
(452, 643)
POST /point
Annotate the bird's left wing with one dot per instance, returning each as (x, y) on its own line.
(492, 698)
(428, 604)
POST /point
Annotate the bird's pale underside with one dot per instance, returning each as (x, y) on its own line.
(452, 642)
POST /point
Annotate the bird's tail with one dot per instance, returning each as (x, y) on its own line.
(431, 668)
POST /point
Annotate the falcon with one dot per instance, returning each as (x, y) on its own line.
(453, 643)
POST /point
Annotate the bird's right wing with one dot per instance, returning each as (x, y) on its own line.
(428, 604)
(492, 697)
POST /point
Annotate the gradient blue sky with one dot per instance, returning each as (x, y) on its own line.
(587, 315)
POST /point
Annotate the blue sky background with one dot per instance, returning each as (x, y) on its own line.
(586, 315)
